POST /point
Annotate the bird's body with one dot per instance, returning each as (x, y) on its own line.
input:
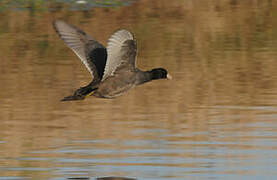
(115, 86)
(113, 69)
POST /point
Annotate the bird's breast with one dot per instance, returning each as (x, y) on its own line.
(115, 86)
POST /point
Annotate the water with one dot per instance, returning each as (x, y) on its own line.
(217, 118)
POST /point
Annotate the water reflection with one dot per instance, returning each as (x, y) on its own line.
(57, 5)
(215, 119)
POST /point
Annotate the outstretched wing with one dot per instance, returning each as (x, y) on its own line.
(122, 50)
(92, 53)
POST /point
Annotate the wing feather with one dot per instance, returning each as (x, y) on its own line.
(121, 48)
(84, 46)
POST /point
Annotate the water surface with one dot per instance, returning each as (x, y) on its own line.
(217, 118)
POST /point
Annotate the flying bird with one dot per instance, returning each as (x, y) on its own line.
(113, 69)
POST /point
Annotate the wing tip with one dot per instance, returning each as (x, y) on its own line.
(55, 25)
(120, 36)
(57, 21)
(125, 33)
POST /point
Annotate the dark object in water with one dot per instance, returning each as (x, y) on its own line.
(113, 69)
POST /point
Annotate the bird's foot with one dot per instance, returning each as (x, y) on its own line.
(80, 94)
(84, 91)
(73, 98)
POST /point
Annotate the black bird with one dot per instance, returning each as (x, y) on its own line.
(113, 69)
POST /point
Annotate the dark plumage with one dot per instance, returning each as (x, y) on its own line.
(113, 69)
